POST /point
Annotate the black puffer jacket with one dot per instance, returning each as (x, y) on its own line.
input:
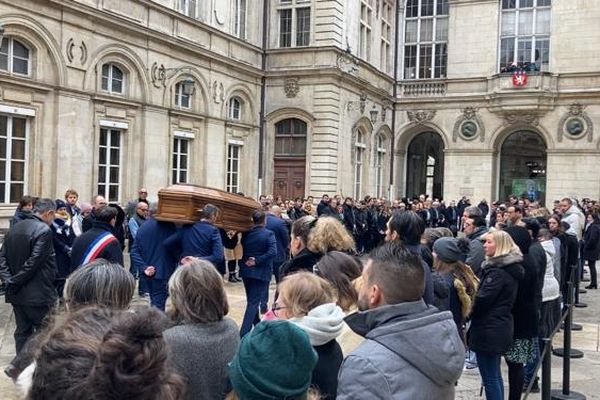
(28, 263)
(491, 319)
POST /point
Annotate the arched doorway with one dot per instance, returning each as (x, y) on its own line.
(425, 165)
(289, 170)
(523, 166)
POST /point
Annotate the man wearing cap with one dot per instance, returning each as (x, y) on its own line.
(410, 351)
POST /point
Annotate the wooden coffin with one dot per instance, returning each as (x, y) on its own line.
(181, 204)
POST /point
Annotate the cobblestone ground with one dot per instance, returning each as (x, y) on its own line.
(584, 372)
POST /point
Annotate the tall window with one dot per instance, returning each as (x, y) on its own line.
(430, 175)
(14, 56)
(235, 108)
(426, 39)
(13, 158)
(359, 158)
(239, 18)
(183, 97)
(379, 166)
(290, 137)
(233, 168)
(387, 16)
(180, 160)
(109, 164)
(188, 7)
(294, 23)
(366, 24)
(112, 78)
(525, 33)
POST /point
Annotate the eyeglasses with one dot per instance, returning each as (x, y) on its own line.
(276, 308)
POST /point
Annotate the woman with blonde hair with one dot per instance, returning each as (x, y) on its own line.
(329, 234)
(491, 332)
(203, 341)
(308, 301)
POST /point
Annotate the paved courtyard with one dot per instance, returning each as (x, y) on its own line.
(584, 375)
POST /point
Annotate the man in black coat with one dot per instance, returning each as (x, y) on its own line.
(28, 268)
(98, 242)
(88, 222)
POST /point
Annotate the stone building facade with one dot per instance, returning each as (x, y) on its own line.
(296, 97)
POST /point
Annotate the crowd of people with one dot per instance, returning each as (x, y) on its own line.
(433, 288)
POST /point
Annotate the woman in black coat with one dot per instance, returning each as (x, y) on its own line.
(591, 246)
(492, 327)
(525, 313)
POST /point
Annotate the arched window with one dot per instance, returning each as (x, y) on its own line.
(14, 57)
(235, 108)
(359, 159)
(380, 151)
(113, 79)
(183, 93)
(290, 137)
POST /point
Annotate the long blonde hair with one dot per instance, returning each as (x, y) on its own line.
(504, 243)
(329, 234)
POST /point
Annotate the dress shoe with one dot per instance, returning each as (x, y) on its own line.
(591, 287)
(234, 279)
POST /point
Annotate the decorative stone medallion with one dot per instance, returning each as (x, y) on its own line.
(468, 126)
(575, 124)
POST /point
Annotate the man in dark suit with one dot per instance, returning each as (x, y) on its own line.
(260, 249)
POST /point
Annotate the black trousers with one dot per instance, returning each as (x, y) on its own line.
(29, 321)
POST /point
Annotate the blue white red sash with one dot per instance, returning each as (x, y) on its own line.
(96, 247)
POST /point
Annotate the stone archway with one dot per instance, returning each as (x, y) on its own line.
(425, 165)
(523, 156)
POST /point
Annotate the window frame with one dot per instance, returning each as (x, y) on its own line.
(108, 163)
(360, 150)
(10, 56)
(231, 173)
(240, 14)
(293, 6)
(176, 155)
(7, 180)
(517, 38)
(432, 45)
(189, 8)
(109, 79)
(289, 137)
(380, 162)
(387, 22)
(365, 30)
(179, 96)
(231, 108)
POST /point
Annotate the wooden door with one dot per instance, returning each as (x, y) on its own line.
(289, 178)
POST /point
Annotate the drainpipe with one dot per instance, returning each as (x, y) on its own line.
(263, 84)
(395, 94)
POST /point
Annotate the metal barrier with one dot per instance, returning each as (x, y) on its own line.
(546, 357)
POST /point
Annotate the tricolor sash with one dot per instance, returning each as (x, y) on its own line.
(97, 246)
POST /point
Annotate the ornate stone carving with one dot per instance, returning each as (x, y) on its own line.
(420, 116)
(218, 92)
(347, 63)
(469, 125)
(72, 47)
(521, 119)
(358, 105)
(576, 124)
(291, 87)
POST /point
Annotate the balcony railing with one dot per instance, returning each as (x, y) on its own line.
(423, 88)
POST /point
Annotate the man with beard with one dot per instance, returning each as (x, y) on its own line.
(397, 325)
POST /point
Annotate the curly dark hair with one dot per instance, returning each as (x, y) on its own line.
(100, 354)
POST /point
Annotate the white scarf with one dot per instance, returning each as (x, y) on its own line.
(322, 324)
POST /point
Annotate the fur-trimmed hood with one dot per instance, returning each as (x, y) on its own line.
(507, 261)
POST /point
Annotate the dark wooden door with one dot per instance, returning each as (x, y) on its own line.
(289, 177)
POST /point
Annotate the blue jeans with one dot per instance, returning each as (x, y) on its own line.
(255, 288)
(491, 375)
